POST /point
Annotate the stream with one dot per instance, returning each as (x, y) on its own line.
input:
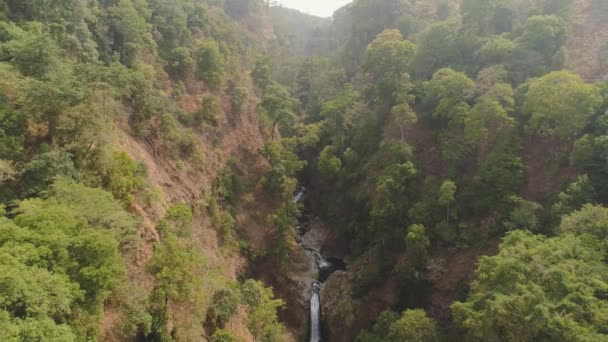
(325, 269)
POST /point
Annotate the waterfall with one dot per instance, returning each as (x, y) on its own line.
(299, 195)
(315, 313)
(322, 263)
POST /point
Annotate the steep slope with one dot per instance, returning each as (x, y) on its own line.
(587, 50)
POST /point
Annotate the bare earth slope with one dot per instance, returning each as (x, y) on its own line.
(588, 42)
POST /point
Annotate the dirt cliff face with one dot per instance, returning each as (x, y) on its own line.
(587, 46)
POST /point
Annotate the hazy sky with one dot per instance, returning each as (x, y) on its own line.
(322, 8)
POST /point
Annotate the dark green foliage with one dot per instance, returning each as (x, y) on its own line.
(210, 64)
(32, 51)
(12, 128)
(43, 169)
(224, 305)
(589, 152)
(438, 47)
(524, 215)
(277, 106)
(329, 165)
(499, 177)
(482, 17)
(579, 192)
(262, 72)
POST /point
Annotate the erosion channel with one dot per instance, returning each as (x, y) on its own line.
(324, 267)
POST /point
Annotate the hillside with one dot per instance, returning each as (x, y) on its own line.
(587, 50)
(151, 102)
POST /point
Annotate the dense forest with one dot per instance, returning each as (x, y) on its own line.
(451, 156)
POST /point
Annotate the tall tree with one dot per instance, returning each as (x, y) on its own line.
(560, 104)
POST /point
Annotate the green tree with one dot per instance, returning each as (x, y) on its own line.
(405, 117)
(210, 63)
(339, 116)
(560, 104)
(221, 335)
(415, 326)
(490, 115)
(387, 58)
(224, 304)
(590, 219)
(124, 177)
(380, 329)
(99, 209)
(417, 241)
(177, 220)
(44, 169)
(438, 47)
(209, 112)
(496, 50)
(278, 105)
(49, 98)
(446, 196)
(329, 165)
(262, 72)
(239, 99)
(177, 270)
(532, 291)
(13, 124)
(447, 92)
(180, 63)
(545, 34)
(129, 35)
(524, 215)
(262, 309)
(483, 17)
(578, 193)
(33, 52)
(57, 271)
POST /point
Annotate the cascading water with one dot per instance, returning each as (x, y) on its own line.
(325, 269)
(299, 195)
(315, 313)
(322, 263)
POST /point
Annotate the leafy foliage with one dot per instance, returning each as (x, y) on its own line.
(533, 277)
(560, 104)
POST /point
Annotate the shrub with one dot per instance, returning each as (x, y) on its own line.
(177, 220)
(239, 98)
(124, 177)
(209, 112)
(224, 305)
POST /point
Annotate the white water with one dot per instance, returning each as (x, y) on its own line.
(315, 300)
(315, 314)
(299, 195)
(322, 263)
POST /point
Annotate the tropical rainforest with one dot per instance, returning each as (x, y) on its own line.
(451, 156)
